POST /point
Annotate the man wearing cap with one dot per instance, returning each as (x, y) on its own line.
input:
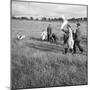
(77, 38)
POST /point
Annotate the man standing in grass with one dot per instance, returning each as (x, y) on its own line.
(49, 32)
(65, 38)
(77, 39)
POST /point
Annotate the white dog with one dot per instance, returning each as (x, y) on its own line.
(20, 37)
(70, 39)
(44, 35)
(70, 42)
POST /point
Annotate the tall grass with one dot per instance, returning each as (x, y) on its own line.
(41, 64)
(34, 72)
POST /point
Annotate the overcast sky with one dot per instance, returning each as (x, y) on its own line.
(48, 10)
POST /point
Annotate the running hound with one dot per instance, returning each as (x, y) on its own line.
(20, 37)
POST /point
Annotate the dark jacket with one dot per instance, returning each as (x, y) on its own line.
(78, 34)
(66, 35)
(49, 30)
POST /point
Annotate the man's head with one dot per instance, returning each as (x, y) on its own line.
(78, 24)
(49, 25)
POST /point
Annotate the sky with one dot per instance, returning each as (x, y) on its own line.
(37, 10)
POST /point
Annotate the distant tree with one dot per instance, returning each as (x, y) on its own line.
(49, 19)
(31, 18)
(60, 19)
(44, 19)
(13, 17)
(36, 19)
(85, 19)
(55, 19)
(72, 19)
(24, 18)
(80, 19)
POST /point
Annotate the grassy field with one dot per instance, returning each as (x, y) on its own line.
(36, 63)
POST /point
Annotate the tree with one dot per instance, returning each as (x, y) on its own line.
(49, 19)
(85, 19)
(60, 19)
(13, 17)
(44, 19)
(36, 19)
(31, 18)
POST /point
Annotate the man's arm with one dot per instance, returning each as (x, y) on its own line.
(64, 30)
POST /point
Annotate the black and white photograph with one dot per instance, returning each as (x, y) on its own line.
(49, 44)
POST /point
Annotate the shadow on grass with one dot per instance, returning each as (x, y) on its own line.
(45, 47)
(39, 39)
(50, 48)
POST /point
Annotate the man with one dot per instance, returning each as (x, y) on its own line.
(77, 38)
(65, 38)
(49, 32)
(54, 37)
(68, 44)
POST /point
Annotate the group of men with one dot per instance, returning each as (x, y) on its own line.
(76, 38)
(48, 35)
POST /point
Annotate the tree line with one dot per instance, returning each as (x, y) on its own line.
(49, 19)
